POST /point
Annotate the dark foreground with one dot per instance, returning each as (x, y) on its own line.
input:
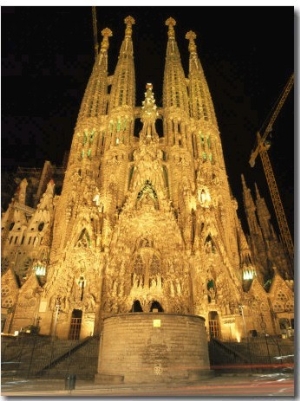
(263, 385)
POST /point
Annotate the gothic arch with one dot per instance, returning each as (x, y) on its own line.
(84, 239)
(210, 244)
(136, 306)
(84, 225)
(147, 195)
(146, 266)
(156, 307)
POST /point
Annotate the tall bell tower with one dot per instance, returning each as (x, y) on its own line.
(146, 222)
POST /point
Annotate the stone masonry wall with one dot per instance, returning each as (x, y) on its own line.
(152, 347)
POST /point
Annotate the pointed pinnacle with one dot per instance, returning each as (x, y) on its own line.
(129, 21)
(191, 36)
(149, 107)
(106, 33)
(243, 181)
(257, 191)
(170, 22)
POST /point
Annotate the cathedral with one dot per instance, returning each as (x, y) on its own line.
(142, 218)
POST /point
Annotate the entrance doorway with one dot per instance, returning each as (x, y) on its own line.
(75, 325)
(136, 307)
(214, 329)
(156, 307)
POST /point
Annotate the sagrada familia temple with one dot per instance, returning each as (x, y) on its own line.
(142, 223)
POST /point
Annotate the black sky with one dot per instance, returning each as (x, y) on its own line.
(247, 54)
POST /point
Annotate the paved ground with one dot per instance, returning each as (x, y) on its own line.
(217, 387)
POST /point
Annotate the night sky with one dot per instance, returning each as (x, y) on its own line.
(247, 54)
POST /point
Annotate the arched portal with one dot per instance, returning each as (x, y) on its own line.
(136, 307)
(75, 326)
(156, 307)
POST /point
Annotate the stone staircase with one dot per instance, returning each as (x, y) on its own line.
(44, 357)
(259, 354)
(79, 359)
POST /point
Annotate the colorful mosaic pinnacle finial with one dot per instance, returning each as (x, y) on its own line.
(191, 36)
(106, 33)
(170, 22)
(129, 21)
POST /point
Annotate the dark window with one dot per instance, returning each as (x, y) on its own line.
(136, 307)
(156, 306)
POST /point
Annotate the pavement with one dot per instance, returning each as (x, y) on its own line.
(226, 384)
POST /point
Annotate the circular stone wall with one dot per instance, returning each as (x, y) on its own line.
(152, 347)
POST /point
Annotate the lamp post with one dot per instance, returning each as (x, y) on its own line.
(57, 309)
(241, 309)
(13, 308)
(263, 326)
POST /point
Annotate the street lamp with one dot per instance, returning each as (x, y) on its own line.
(241, 309)
(57, 309)
(263, 326)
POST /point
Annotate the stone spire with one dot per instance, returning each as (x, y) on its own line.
(201, 105)
(248, 200)
(207, 146)
(87, 145)
(257, 240)
(175, 96)
(264, 216)
(250, 208)
(176, 121)
(120, 128)
(247, 266)
(123, 85)
(95, 97)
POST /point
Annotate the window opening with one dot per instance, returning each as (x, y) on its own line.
(156, 307)
(136, 307)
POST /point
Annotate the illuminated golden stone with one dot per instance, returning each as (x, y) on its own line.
(142, 223)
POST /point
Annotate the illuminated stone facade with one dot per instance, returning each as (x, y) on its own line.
(145, 220)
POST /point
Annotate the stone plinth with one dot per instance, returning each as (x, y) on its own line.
(153, 347)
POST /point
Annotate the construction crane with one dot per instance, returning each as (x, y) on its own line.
(261, 149)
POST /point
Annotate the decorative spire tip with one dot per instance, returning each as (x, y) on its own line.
(191, 36)
(170, 22)
(106, 33)
(129, 21)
